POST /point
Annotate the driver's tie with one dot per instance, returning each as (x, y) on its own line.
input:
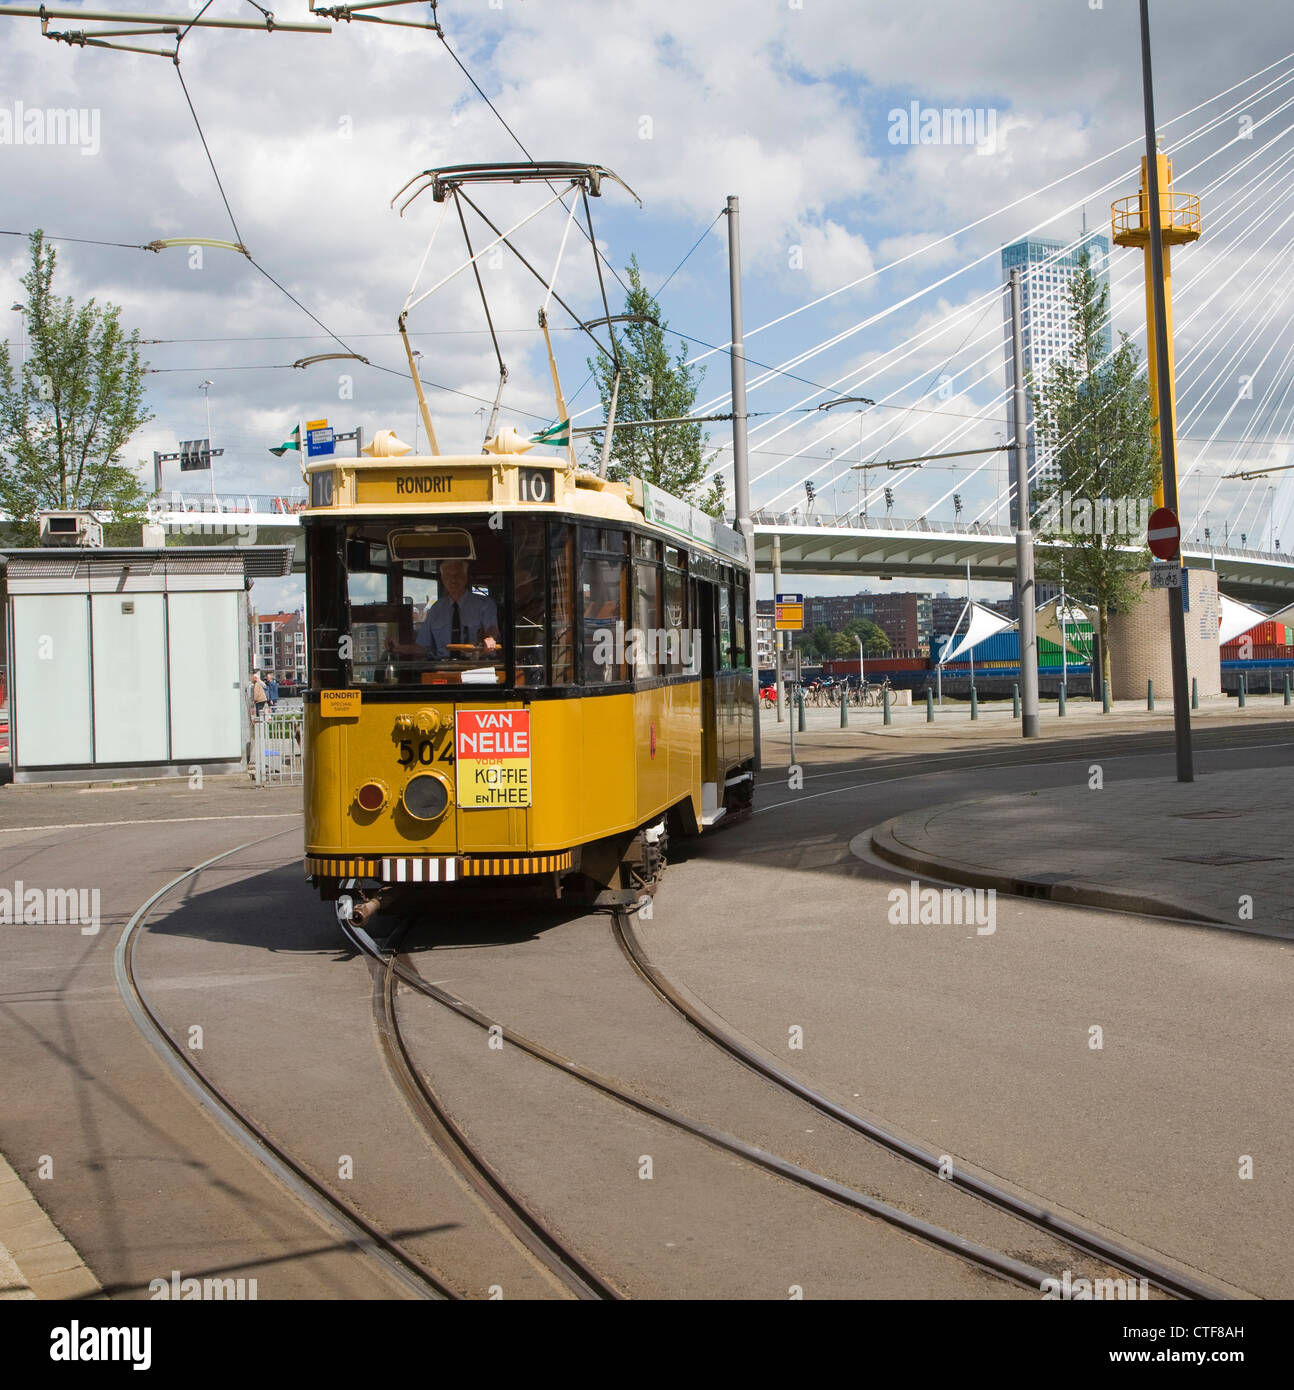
(456, 630)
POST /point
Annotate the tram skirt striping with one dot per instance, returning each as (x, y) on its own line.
(439, 870)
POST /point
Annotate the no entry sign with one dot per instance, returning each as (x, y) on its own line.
(1163, 534)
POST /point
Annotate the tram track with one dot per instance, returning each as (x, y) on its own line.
(996, 1262)
(1176, 1283)
(339, 1215)
(523, 1224)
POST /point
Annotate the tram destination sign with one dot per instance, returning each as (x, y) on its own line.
(492, 758)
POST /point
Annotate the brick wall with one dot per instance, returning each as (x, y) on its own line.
(1139, 645)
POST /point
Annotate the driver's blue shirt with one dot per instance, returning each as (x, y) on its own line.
(476, 613)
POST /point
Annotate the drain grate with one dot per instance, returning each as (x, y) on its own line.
(1206, 815)
(1220, 861)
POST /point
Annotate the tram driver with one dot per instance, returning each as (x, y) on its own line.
(459, 618)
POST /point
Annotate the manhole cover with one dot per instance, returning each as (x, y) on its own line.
(1206, 815)
(1219, 861)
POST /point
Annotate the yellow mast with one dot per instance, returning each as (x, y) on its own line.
(1179, 224)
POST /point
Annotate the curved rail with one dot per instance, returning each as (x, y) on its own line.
(356, 1229)
(994, 1261)
(1175, 1282)
(523, 1224)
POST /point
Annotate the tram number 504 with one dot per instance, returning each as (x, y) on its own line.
(535, 485)
(426, 752)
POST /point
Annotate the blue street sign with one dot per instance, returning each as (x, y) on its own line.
(319, 439)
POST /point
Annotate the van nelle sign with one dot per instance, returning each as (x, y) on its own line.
(492, 758)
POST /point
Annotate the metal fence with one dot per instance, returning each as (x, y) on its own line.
(276, 758)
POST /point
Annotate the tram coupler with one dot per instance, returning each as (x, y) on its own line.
(353, 911)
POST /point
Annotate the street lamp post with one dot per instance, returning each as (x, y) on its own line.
(22, 331)
(205, 388)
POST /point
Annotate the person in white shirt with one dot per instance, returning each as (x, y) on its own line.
(458, 618)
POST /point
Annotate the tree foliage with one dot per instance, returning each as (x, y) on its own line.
(654, 386)
(823, 642)
(1094, 419)
(68, 412)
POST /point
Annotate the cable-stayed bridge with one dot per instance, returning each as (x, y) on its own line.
(882, 548)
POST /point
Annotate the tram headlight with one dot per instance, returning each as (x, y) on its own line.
(426, 797)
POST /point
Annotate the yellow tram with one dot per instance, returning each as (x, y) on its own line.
(517, 668)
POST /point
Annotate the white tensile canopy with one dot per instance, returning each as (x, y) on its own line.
(1048, 617)
(984, 622)
(1237, 618)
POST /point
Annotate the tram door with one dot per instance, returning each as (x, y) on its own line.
(703, 605)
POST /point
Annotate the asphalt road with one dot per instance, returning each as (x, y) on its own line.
(974, 1045)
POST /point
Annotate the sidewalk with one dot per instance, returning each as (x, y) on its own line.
(954, 716)
(35, 1260)
(1195, 850)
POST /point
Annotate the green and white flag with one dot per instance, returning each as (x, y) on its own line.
(557, 435)
(293, 441)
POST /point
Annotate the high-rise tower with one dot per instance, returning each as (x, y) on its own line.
(1046, 270)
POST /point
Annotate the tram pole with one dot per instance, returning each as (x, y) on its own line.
(1024, 585)
(777, 636)
(740, 458)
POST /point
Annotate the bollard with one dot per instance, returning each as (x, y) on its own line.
(974, 704)
(1105, 697)
(1150, 694)
(1195, 692)
(930, 701)
(1015, 701)
(800, 719)
(1241, 691)
(1060, 703)
(844, 706)
(1287, 687)
(886, 703)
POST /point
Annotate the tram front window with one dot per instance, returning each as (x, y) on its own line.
(425, 602)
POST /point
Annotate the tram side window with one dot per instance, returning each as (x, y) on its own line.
(645, 648)
(324, 607)
(739, 621)
(562, 580)
(529, 615)
(678, 638)
(725, 622)
(603, 596)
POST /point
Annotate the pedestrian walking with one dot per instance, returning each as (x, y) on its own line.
(272, 690)
(260, 697)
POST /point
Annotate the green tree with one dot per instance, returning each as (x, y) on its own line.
(1094, 420)
(655, 386)
(816, 642)
(876, 641)
(67, 414)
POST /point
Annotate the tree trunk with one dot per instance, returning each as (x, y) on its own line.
(1104, 618)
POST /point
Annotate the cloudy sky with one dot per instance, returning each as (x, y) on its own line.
(871, 261)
